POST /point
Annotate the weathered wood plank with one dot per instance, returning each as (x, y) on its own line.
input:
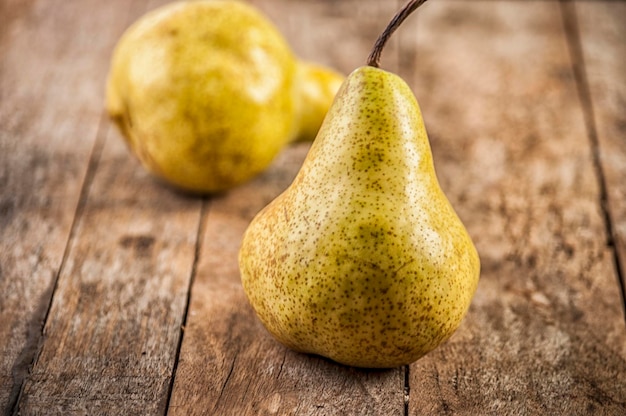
(545, 334)
(112, 333)
(229, 364)
(602, 32)
(52, 67)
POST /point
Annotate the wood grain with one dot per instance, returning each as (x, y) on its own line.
(339, 34)
(545, 334)
(602, 31)
(112, 334)
(51, 73)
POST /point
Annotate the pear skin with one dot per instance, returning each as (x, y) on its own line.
(362, 259)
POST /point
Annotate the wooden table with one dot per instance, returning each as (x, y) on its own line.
(119, 296)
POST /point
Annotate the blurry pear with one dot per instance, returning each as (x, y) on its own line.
(362, 259)
(318, 86)
(206, 93)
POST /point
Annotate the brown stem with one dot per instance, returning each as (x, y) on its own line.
(409, 8)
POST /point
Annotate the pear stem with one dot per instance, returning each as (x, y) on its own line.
(374, 58)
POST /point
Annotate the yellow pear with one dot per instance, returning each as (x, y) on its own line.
(206, 93)
(362, 259)
(317, 88)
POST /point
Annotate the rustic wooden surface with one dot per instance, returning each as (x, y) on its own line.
(121, 296)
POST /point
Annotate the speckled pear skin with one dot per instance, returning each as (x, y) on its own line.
(362, 259)
(207, 93)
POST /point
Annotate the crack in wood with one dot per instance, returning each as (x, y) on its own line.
(574, 43)
(230, 373)
(282, 363)
(407, 390)
(204, 207)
